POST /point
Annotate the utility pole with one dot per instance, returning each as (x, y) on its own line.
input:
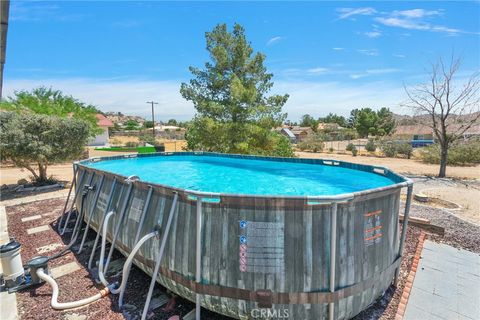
(153, 115)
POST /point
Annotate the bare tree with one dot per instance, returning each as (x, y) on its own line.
(450, 103)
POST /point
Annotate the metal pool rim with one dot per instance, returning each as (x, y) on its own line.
(400, 180)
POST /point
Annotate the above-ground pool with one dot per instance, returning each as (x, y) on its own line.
(303, 238)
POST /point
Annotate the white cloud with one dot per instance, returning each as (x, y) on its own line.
(415, 19)
(401, 56)
(382, 71)
(358, 76)
(38, 11)
(338, 49)
(369, 52)
(350, 12)
(274, 40)
(318, 70)
(373, 34)
(320, 98)
(403, 23)
(127, 96)
(417, 13)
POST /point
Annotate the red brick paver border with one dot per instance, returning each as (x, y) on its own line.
(411, 276)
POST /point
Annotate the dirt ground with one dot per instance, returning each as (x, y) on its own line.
(403, 166)
(465, 194)
(170, 145)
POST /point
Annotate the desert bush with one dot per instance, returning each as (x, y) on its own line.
(404, 148)
(370, 146)
(116, 142)
(312, 143)
(350, 147)
(330, 149)
(147, 138)
(33, 140)
(354, 151)
(388, 149)
(458, 154)
(131, 144)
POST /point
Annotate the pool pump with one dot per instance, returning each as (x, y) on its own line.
(11, 261)
(17, 276)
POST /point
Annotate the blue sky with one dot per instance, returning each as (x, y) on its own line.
(329, 56)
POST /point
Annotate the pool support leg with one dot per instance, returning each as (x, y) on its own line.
(119, 224)
(408, 203)
(198, 260)
(77, 192)
(107, 206)
(72, 185)
(158, 262)
(92, 209)
(333, 253)
(85, 190)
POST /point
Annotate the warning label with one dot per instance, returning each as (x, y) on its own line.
(102, 201)
(261, 247)
(136, 209)
(373, 227)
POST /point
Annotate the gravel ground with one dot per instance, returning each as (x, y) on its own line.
(458, 233)
(35, 303)
(385, 308)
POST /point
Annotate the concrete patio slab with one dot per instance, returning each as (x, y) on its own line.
(31, 218)
(65, 269)
(38, 229)
(446, 285)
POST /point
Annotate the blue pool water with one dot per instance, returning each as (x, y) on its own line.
(244, 176)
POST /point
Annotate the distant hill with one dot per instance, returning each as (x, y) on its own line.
(120, 118)
(404, 120)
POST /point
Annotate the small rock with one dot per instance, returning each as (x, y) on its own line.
(4, 187)
(22, 181)
(75, 316)
(421, 197)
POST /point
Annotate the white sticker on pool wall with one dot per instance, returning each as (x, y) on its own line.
(102, 201)
(136, 209)
(261, 247)
(373, 227)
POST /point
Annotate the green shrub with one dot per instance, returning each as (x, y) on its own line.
(404, 148)
(458, 154)
(312, 143)
(330, 149)
(131, 144)
(388, 149)
(370, 146)
(34, 141)
(354, 151)
(350, 147)
(147, 138)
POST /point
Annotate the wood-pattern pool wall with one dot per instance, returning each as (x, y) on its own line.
(257, 252)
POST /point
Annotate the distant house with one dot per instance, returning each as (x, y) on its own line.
(324, 126)
(289, 134)
(301, 133)
(102, 138)
(423, 132)
(414, 132)
(168, 128)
